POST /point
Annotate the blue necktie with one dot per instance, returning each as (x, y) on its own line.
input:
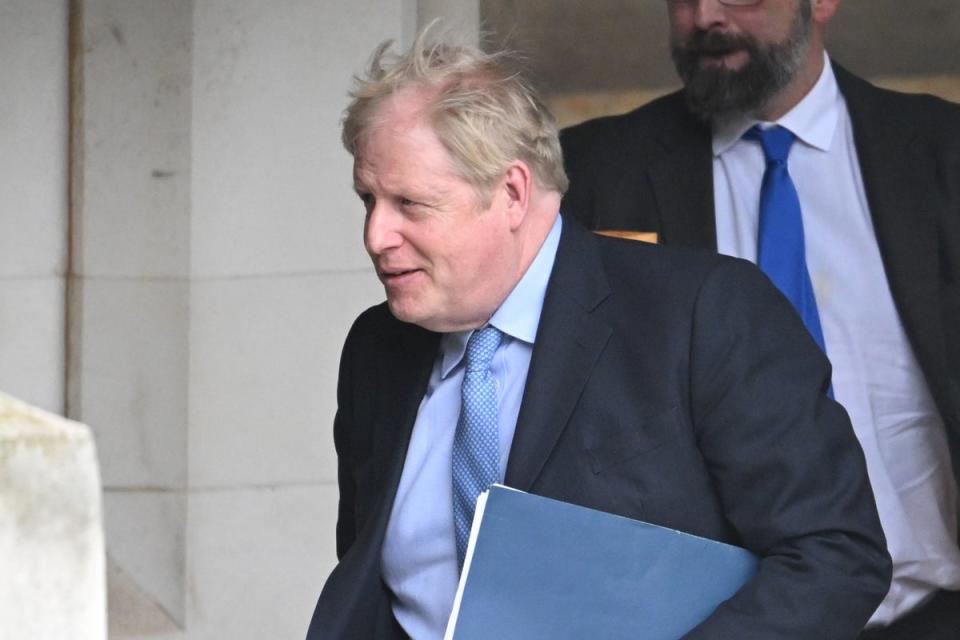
(476, 445)
(781, 252)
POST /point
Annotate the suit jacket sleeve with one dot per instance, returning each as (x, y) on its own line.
(789, 474)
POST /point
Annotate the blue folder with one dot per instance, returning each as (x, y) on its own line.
(541, 568)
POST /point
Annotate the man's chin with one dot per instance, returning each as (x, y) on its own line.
(406, 310)
(401, 310)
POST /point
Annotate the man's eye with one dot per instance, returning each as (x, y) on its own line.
(366, 199)
(406, 202)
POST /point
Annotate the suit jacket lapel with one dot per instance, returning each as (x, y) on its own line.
(897, 180)
(402, 382)
(569, 340)
(682, 181)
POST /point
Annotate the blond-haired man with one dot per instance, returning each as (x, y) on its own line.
(514, 346)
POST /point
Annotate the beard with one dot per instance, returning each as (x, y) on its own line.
(714, 90)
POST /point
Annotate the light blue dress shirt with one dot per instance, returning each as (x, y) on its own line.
(419, 560)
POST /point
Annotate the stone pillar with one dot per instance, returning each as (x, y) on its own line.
(218, 265)
(461, 15)
(51, 536)
(33, 199)
(131, 293)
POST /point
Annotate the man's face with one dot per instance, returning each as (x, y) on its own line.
(735, 59)
(445, 259)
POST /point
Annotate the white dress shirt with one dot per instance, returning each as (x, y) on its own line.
(419, 559)
(875, 374)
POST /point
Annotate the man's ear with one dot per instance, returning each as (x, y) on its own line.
(823, 10)
(517, 184)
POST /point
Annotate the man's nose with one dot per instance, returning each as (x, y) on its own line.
(381, 231)
(709, 13)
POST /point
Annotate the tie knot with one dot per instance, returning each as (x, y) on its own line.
(776, 141)
(481, 347)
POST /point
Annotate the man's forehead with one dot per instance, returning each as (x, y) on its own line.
(397, 121)
(379, 146)
(402, 159)
(396, 142)
(406, 108)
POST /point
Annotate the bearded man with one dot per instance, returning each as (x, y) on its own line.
(848, 196)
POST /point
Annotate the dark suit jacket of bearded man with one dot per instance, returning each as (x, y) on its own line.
(673, 386)
(651, 170)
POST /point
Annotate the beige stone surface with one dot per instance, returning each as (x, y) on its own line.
(943, 85)
(218, 264)
(52, 583)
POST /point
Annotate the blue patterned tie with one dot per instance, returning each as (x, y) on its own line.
(476, 445)
(781, 252)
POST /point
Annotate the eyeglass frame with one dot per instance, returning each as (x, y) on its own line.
(726, 3)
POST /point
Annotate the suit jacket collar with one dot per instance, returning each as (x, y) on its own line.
(681, 178)
(681, 174)
(898, 177)
(569, 340)
(404, 377)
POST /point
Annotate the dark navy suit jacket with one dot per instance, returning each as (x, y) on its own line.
(672, 386)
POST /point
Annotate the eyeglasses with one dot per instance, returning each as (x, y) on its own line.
(726, 3)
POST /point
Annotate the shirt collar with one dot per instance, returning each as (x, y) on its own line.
(519, 315)
(813, 120)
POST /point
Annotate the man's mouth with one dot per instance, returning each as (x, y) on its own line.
(392, 276)
(710, 49)
(722, 57)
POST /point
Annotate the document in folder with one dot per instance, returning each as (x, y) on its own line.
(541, 568)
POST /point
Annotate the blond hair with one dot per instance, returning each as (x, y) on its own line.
(485, 114)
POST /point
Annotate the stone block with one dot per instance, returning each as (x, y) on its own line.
(52, 576)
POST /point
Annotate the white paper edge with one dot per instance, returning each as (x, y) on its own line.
(468, 556)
